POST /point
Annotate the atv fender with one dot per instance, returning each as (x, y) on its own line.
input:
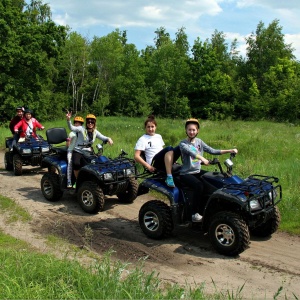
(172, 194)
(59, 164)
(219, 201)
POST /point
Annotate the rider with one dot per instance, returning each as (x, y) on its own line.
(71, 143)
(157, 157)
(85, 136)
(14, 121)
(192, 149)
(28, 125)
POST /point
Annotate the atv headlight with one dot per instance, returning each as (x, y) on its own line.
(46, 149)
(228, 163)
(128, 172)
(108, 176)
(272, 194)
(254, 205)
(26, 151)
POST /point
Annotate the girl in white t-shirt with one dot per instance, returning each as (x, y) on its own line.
(157, 157)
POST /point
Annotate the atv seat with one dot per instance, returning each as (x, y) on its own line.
(57, 136)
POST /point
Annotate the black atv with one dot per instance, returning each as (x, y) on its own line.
(100, 175)
(29, 151)
(232, 207)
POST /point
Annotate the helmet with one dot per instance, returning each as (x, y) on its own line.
(192, 121)
(79, 119)
(28, 111)
(20, 108)
(90, 116)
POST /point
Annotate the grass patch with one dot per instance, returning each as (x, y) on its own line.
(30, 275)
(14, 211)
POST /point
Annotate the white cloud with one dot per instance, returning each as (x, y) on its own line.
(236, 18)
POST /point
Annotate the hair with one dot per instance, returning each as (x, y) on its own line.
(150, 119)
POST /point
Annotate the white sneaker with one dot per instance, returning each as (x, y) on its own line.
(196, 218)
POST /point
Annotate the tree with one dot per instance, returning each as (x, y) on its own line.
(210, 88)
(29, 47)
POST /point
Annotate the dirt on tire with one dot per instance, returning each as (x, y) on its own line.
(268, 265)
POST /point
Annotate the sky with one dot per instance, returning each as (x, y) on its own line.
(237, 19)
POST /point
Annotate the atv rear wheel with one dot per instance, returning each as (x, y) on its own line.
(8, 162)
(155, 219)
(269, 227)
(50, 187)
(17, 164)
(228, 233)
(90, 197)
(131, 193)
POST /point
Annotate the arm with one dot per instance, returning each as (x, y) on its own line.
(12, 125)
(74, 128)
(186, 149)
(38, 124)
(104, 138)
(17, 126)
(229, 151)
(138, 158)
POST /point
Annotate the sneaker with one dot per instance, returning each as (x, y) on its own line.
(69, 185)
(196, 218)
(170, 181)
(74, 185)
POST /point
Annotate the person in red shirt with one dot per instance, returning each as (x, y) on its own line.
(28, 125)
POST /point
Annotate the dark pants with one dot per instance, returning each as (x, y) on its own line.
(77, 160)
(158, 161)
(194, 181)
(15, 140)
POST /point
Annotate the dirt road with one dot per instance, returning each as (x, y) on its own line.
(266, 266)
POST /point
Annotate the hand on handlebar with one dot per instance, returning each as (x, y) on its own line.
(205, 161)
(214, 161)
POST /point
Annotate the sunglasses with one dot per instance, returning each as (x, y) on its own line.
(90, 122)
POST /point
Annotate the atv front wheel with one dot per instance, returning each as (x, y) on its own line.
(131, 193)
(8, 162)
(155, 219)
(90, 197)
(50, 187)
(17, 164)
(269, 227)
(228, 233)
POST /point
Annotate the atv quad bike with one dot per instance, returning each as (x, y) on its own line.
(29, 152)
(232, 207)
(100, 175)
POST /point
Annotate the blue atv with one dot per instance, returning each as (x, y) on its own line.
(232, 207)
(98, 177)
(28, 152)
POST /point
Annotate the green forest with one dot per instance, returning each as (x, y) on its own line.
(48, 68)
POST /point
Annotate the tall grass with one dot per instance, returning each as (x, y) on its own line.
(265, 148)
(27, 274)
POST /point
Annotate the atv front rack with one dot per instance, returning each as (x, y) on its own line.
(260, 188)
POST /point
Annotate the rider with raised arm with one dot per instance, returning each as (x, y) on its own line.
(86, 136)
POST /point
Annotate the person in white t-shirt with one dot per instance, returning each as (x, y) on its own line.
(157, 157)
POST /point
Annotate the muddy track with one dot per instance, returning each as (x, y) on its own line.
(187, 256)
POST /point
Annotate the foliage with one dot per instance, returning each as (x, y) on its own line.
(47, 68)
